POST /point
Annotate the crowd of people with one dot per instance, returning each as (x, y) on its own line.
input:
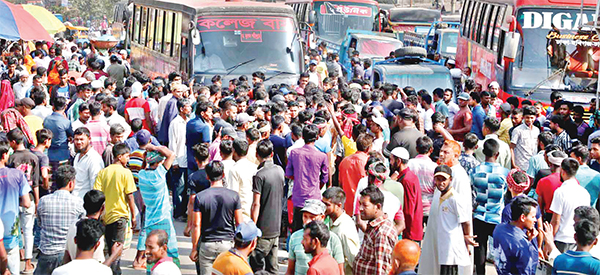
(349, 177)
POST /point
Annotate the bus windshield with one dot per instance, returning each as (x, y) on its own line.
(369, 48)
(335, 18)
(448, 43)
(556, 53)
(429, 82)
(246, 44)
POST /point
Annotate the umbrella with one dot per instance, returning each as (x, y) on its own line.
(46, 18)
(19, 24)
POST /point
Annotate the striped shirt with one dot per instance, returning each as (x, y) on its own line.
(99, 133)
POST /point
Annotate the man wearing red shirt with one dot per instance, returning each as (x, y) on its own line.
(463, 119)
(546, 186)
(314, 241)
(413, 205)
(138, 107)
(352, 169)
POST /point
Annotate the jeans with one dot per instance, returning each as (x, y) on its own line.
(207, 253)
(264, 256)
(177, 179)
(14, 260)
(483, 231)
(115, 232)
(47, 263)
(27, 218)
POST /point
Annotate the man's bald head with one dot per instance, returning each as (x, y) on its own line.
(406, 256)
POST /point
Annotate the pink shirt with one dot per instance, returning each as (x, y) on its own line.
(99, 133)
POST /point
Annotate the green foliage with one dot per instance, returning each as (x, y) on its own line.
(92, 9)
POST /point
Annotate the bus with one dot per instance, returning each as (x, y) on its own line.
(329, 20)
(531, 47)
(203, 38)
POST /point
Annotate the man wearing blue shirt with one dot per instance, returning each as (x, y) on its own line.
(580, 261)
(513, 251)
(478, 115)
(197, 131)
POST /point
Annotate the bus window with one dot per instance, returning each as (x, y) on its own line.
(168, 33)
(136, 24)
(144, 26)
(478, 21)
(472, 21)
(464, 16)
(151, 24)
(177, 35)
(466, 23)
(484, 25)
(491, 26)
(497, 31)
(158, 39)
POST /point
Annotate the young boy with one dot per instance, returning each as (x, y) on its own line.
(116, 181)
(466, 159)
(449, 219)
(154, 191)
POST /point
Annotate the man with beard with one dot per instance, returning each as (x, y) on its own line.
(413, 206)
(171, 112)
(583, 129)
(314, 241)
(562, 138)
(87, 162)
(564, 109)
(524, 139)
(156, 254)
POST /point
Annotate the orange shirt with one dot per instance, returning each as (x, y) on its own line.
(352, 169)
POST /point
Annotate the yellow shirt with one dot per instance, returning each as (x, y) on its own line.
(115, 181)
(35, 123)
(228, 263)
(505, 126)
(322, 70)
(349, 146)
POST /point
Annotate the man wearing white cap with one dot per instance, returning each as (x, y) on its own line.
(413, 206)
(546, 186)
(463, 119)
(20, 88)
(138, 107)
(377, 127)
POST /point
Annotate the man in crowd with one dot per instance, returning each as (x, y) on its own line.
(240, 176)
(491, 125)
(463, 119)
(87, 162)
(314, 241)
(523, 141)
(309, 170)
(118, 186)
(412, 204)
(57, 212)
(408, 134)
(352, 169)
(267, 188)
(341, 224)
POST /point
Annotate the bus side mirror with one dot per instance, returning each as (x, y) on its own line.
(511, 44)
(312, 17)
(195, 37)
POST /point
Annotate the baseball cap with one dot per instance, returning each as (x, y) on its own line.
(228, 131)
(247, 231)
(136, 89)
(97, 84)
(381, 121)
(451, 62)
(401, 152)
(143, 137)
(464, 96)
(158, 83)
(154, 157)
(506, 107)
(114, 58)
(313, 206)
(27, 102)
(80, 81)
(313, 62)
(243, 118)
(284, 90)
(443, 170)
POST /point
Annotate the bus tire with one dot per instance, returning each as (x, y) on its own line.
(410, 51)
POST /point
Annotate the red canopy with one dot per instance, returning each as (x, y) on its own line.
(17, 24)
